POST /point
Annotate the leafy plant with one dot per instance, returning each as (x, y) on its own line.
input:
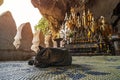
(43, 25)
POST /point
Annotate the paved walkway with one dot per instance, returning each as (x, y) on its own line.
(82, 68)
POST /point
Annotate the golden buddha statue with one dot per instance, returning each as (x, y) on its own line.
(83, 19)
(89, 17)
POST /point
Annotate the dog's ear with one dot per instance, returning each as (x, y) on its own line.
(40, 47)
(46, 54)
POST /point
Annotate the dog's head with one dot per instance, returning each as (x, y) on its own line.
(43, 55)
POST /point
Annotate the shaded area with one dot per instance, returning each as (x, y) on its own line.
(97, 73)
(116, 12)
(76, 76)
(118, 67)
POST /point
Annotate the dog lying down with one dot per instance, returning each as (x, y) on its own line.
(47, 57)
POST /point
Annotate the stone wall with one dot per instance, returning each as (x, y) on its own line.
(15, 55)
(105, 8)
(38, 40)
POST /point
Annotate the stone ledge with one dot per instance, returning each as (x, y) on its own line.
(14, 55)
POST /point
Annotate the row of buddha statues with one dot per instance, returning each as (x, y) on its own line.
(83, 32)
(82, 27)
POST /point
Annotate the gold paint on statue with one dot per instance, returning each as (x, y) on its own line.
(84, 26)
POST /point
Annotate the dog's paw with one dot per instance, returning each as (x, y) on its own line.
(31, 62)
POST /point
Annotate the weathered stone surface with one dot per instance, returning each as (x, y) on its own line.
(48, 40)
(26, 36)
(106, 8)
(15, 55)
(7, 30)
(103, 8)
(38, 40)
(7, 33)
(54, 10)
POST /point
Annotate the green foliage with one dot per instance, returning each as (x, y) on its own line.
(42, 25)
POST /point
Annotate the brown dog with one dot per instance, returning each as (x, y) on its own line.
(51, 57)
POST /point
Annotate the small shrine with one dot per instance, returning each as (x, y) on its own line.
(84, 33)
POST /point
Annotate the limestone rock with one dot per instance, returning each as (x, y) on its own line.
(103, 8)
(48, 40)
(54, 10)
(38, 40)
(7, 33)
(24, 37)
(7, 30)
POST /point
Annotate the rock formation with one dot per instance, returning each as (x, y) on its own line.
(38, 40)
(24, 36)
(54, 10)
(7, 31)
(104, 8)
(48, 40)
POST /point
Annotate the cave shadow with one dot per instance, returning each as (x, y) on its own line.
(76, 71)
(116, 12)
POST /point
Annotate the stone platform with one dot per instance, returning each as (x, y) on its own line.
(82, 68)
(13, 55)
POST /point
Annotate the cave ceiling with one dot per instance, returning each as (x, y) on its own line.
(54, 10)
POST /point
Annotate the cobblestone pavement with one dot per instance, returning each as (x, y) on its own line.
(82, 68)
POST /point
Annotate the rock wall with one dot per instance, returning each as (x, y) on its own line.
(26, 36)
(103, 8)
(38, 40)
(7, 31)
(54, 10)
(48, 41)
(15, 55)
